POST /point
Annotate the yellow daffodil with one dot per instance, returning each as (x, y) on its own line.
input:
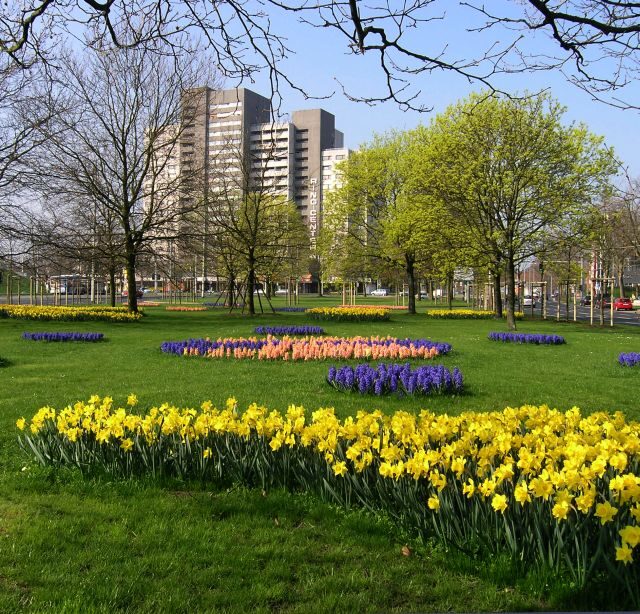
(606, 512)
(624, 554)
(433, 503)
(630, 535)
(499, 503)
(340, 468)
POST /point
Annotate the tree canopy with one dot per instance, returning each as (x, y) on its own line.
(509, 170)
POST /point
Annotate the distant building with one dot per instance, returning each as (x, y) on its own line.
(232, 134)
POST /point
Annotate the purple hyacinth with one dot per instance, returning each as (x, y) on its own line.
(396, 378)
(289, 330)
(527, 338)
(629, 359)
(89, 337)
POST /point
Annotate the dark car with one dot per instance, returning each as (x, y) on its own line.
(623, 304)
(585, 301)
(139, 293)
(603, 301)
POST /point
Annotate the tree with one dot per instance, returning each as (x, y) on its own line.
(21, 120)
(117, 146)
(256, 225)
(593, 42)
(378, 215)
(509, 170)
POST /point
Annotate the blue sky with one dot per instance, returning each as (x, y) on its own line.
(322, 61)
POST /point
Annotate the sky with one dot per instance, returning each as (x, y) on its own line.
(322, 63)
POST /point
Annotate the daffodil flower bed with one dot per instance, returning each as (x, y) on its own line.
(350, 314)
(396, 379)
(554, 489)
(308, 348)
(91, 337)
(534, 338)
(629, 359)
(288, 330)
(466, 314)
(72, 314)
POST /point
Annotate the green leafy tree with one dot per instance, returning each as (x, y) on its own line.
(509, 170)
(378, 216)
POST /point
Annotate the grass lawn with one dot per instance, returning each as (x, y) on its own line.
(67, 544)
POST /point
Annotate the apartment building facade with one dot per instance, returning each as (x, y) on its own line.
(234, 137)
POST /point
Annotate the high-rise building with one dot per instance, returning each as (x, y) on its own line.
(234, 137)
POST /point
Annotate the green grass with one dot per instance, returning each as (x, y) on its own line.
(72, 545)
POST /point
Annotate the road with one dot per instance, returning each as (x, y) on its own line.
(583, 314)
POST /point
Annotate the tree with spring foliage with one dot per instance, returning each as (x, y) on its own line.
(378, 215)
(510, 170)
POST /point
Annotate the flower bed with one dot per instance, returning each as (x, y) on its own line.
(184, 308)
(289, 330)
(70, 314)
(466, 314)
(395, 378)
(350, 314)
(291, 309)
(390, 307)
(309, 348)
(91, 337)
(548, 488)
(629, 359)
(527, 338)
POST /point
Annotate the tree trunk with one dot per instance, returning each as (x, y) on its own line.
(450, 291)
(411, 279)
(511, 293)
(231, 292)
(130, 267)
(251, 282)
(620, 282)
(497, 296)
(112, 285)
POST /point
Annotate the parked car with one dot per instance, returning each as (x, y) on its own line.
(380, 292)
(139, 293)
(623, 304)
(529, 301)
(585, 301)
(281, 292)
(603, 301)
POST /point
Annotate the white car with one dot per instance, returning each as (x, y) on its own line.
(380, 292)
(529, 301)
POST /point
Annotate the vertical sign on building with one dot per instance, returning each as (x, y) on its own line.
(313, 212)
